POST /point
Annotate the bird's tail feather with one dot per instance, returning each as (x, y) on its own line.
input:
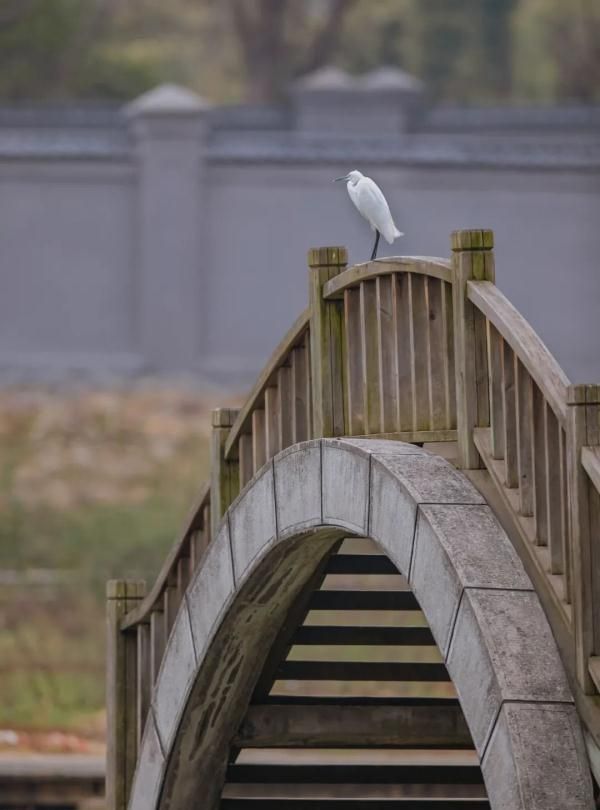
(391, 233)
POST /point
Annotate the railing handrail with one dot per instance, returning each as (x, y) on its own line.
(291, 338)
(422, 265)
(525, 342)
(142, 611)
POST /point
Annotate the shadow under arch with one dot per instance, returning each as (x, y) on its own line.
(437, 529)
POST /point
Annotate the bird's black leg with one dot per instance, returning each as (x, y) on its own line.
(375, 246)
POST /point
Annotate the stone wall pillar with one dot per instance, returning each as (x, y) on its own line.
(168, 127)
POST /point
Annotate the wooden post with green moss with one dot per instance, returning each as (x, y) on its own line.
(225, 473)
(583, 430)
(121, 687)
(326, 343)
(472, 259)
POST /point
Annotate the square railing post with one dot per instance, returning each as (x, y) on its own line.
(583, 429)
(225, 476)
(472, 259)
(121, 691)
(326, 342)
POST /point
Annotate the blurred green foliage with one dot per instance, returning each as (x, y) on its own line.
(492, 50)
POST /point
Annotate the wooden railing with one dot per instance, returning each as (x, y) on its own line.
(421, 350)
(138, 629)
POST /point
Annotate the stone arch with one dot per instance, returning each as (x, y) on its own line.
(437, 529)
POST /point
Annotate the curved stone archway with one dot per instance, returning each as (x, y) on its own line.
(437, 529)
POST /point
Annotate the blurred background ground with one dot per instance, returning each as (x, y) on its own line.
(94, 483)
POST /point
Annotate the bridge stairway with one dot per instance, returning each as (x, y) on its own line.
(354, 707)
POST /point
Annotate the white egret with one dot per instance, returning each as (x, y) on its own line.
(372, 205)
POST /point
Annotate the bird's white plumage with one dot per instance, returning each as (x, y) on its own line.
(370, 202)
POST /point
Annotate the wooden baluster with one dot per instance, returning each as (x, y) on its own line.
(421, 355)
(553, 491)
(326, 343)
(583, 429)
(437, 365)
(158, 641)
(565, 529)
(144, 677)
(404, 350)
(448, 352)
(300, 394)
(193, 550)
(355, 403)
(245, 458)
(206, 525)
(170, 603)
(271, 422)
(472, 258)
(540, 484)
(509, 400)
(121, 688)
(284, 388)
(495, 353)
(524, 439)
(387, 367)
(224, 473)
(259, 456)
(183, 575)
(371, 384)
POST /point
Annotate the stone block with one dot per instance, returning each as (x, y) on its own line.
(477, 545)
(536, 759)
(380, 447)
(458, 546)
(502, 649)
(298, 488)
(149, 771)
(209, 592)
(252, 522)
(345, 486)
(429, 479)
(175, 677)
(435, 583)
(392, 517)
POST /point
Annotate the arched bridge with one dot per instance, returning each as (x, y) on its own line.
(388, 594)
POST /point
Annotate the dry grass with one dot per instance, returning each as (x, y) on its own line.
(93, 484)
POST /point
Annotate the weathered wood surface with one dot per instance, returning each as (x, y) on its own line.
(526, 344)
(224, 472)
(326, 343)
(472, 258)
(280, 356)
(363, 726)
(436, 268)
(583, 429)
(399, 352)
(121, 691)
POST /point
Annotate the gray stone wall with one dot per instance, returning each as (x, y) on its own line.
(170, 237)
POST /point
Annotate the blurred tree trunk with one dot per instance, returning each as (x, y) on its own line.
(497, 46)
(280, 40)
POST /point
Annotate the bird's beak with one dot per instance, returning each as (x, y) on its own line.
(337, 179)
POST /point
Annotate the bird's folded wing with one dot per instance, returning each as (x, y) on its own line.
(371, 202)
